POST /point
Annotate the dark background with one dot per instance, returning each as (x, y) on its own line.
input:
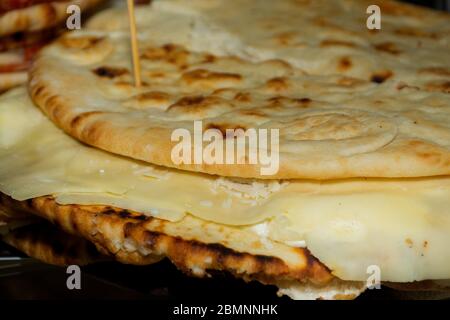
(437, 4)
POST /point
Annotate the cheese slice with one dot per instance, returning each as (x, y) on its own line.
(400, 226)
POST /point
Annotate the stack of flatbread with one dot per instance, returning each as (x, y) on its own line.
(25, 27)
(362, 191)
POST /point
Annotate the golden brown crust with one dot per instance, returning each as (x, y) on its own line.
(348, 105)
(426, 285)
(138, 239)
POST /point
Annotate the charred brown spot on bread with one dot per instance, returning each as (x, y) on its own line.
(281, 101)
(337, 43)
(318, 272)
(388, 47)
(29, 202)
(344, 64)
(285, 38)
(381, 76)
(198, 104)
(128, 229)
(142, 217)
(304, 102)
(81, 43)
(427, 153)
(169, 53)
(278, 84)
(409, 242)
(156, 74)
(37, 91)
(108, 211)
(54, 107)
(129, 215)
(124, 85)
(170, 47)
(110, 72)
(154, 53)
(161, 52)
(188, 101)
(32, 40)
(152, 98)
(243, 97)
(189, 255)
(429, 156)
(125, 214)
(209, 58)
(253, 112)
(151, 238)
(211, 78)
(73, 222)
(373, 31)
(76, 121)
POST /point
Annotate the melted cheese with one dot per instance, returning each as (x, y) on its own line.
(402, 226)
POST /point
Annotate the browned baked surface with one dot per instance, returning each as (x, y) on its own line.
(44, 242)
(347, 101)
(135, 238)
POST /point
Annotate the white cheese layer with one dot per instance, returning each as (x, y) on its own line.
(400, 225)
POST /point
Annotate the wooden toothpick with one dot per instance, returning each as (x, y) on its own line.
(134, 45)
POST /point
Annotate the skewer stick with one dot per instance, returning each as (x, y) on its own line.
(134, 45)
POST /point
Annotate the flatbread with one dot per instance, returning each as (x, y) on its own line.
(46, 243)
(400, 225)
(348, 102)
(196, 247)
(39, 16)
(23, 31)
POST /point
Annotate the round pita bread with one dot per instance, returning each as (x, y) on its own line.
(367, 106)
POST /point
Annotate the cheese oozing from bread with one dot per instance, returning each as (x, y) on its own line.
(401, 226)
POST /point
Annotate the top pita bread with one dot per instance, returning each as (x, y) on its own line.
(349, 102)
(39, 16)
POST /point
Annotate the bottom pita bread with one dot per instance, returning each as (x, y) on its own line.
(196, 247)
